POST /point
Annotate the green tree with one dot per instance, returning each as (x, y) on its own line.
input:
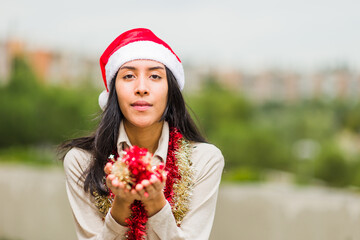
(33, 114)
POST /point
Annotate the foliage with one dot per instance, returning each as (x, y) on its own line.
(331, 166)
(313, 139)
(243, 174)
(40, 155)
(271, 135)
(33, 114)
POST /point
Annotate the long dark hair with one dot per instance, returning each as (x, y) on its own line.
(103, 142)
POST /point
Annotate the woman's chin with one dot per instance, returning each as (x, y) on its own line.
(144, 123)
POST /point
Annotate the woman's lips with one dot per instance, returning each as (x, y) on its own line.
(141, 105)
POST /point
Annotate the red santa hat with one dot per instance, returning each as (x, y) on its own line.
(139, 43)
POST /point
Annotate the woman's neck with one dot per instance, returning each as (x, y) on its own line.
(144, 137)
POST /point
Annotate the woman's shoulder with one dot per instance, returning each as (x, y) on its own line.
(206, 147)
(207, 152)
(207, 160)
(77, 159)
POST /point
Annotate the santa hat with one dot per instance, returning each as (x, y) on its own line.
(139, 43)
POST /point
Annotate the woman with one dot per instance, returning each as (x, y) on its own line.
(143, 106)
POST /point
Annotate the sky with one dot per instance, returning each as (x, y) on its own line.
(296, 34)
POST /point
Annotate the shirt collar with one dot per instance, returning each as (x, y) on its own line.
(123, 138)
(163, 144)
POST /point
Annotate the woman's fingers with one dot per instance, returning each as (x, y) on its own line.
(145, 183)
(156, 183)
(151, 187)
(139, 187)
(115, 182)
(111, 176)
(109, 179)
(148, 190)
(139, 190)
(108, 168)
(145, 190)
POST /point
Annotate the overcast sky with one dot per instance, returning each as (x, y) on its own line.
(234, 33)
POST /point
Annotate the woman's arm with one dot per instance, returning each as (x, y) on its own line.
(88, 219)
(151, 194)
(148, 191)
(208, 163)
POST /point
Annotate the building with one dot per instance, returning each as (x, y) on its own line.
(50, 67)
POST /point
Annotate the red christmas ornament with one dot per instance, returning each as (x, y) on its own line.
(137, 164)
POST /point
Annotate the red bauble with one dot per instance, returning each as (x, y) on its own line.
(138, 164)
(135, 165)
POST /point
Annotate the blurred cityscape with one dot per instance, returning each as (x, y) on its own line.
(266, 101)
(50, 67)
(69, 69)
(290, 138)
(275, 86)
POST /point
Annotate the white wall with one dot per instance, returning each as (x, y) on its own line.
(34, 206)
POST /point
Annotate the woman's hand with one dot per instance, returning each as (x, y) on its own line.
(151, 194)
(118, 188)
(149, 190)
(120, 209)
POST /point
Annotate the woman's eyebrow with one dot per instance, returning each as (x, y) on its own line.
(133, 68)
(154, 68)
(127, 67)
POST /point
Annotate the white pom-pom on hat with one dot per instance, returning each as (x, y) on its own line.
(135, 44)
(103, 99)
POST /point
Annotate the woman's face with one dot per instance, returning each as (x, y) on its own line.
(142, 88)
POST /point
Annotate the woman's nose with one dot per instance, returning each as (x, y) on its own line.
(142, 86)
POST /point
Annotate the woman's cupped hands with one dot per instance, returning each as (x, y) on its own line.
(145, 191)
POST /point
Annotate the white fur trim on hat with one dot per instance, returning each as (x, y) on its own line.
(103, 99)
(145, 50)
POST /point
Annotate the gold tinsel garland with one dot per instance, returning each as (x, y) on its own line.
(182, 189)
(103, 203)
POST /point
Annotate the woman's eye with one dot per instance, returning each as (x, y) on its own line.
(128, 76)
(154, 76)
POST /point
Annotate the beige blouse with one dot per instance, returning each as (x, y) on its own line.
(208, 163)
